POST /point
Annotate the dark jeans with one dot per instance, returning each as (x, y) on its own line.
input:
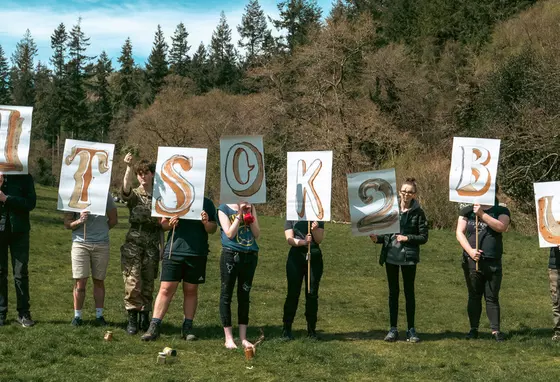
(240, 267)
(409, 274)
(489, 282)
(18, 244)
(296, 273)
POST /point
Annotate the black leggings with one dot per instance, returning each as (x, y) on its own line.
(488, 286)
(409, 274)
(296, 272)
(240, 267)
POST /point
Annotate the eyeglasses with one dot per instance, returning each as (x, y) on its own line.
(408, 192)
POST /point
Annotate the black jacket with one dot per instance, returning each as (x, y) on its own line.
(413, 225)
(554, 261)
(21, 198)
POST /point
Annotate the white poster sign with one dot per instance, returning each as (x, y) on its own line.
(242, 169)
(547, 200)
(374, 207)
(15, 136)
(85, 176)
(308, 193)
(474, 166)
(179, 182)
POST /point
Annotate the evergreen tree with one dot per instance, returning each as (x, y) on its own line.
(298, 18)
(156, 68)
(224, 72)
(58, 45)
(44, 117)
(200, 69)
(253, 31)
(179, 60)
(22, 75)
(127, 97)
(4, 79)
(58, 107)
(101, 108)
(76, 118)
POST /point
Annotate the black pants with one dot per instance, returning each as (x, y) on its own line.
(18, 244)
(240, 267)
(488, 285)
(409, 274)
(296, 272)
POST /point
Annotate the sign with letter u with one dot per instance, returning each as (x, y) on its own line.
(179, 182)
(85, 176)
(547, 200)
(242, 169)
(308, 193)
(474, 166)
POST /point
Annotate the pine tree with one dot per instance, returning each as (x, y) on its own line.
(299, 18)
(200, 70)
(44, 117)
(127, 97)
(76, 118)
(58, 45)
(101, 108)
(224, 72)
(4, 79)
(22, 72)
(58, 106)
(179, 60)
(157, 68)
(253, 31)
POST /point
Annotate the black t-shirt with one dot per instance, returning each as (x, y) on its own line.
(489, 241)
(300, 231)
(191, 239)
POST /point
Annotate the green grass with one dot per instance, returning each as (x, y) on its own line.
(353, 318)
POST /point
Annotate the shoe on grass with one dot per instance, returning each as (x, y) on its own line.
(472, 335)
(77, 321)
(152, 333)
(3, 320)
(25, 320)
(186, 332)
(100, 321)
(556, 337)
(411, 336)
(392, 336)
(498, 336)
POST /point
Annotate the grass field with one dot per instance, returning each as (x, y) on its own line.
(353, 318)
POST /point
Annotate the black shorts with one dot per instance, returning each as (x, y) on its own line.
(190, 269)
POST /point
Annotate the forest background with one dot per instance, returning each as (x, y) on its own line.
(382, 83)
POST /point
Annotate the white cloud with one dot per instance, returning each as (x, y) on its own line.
(108, 27)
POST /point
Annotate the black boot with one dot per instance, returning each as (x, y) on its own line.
(152, 333)
(144, 320)
(132, 327)
(311, 333)
(287, 331)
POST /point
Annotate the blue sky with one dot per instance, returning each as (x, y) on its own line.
(109, 22)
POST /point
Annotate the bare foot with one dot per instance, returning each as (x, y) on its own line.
(229, 344)
(246, 344)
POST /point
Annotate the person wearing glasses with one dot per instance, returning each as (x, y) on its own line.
(402, 251)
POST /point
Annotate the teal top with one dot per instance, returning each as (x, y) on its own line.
(244, 241)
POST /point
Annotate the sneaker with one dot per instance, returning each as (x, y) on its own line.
(472, 335)
(498, 336)
(392, 336)
(186, 332)
(3, 320)
(411, 336)
(100, 321)
(25, 320)
(287, 332)
(152, 333)
(77, 321)
(556, 336)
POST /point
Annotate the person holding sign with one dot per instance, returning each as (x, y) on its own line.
(17, 199)
(554, 278)
(402, 251)
(482, 261)
(141, 251)
(90, 249)
(296, 270)
(184, 259)
(239, 227)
